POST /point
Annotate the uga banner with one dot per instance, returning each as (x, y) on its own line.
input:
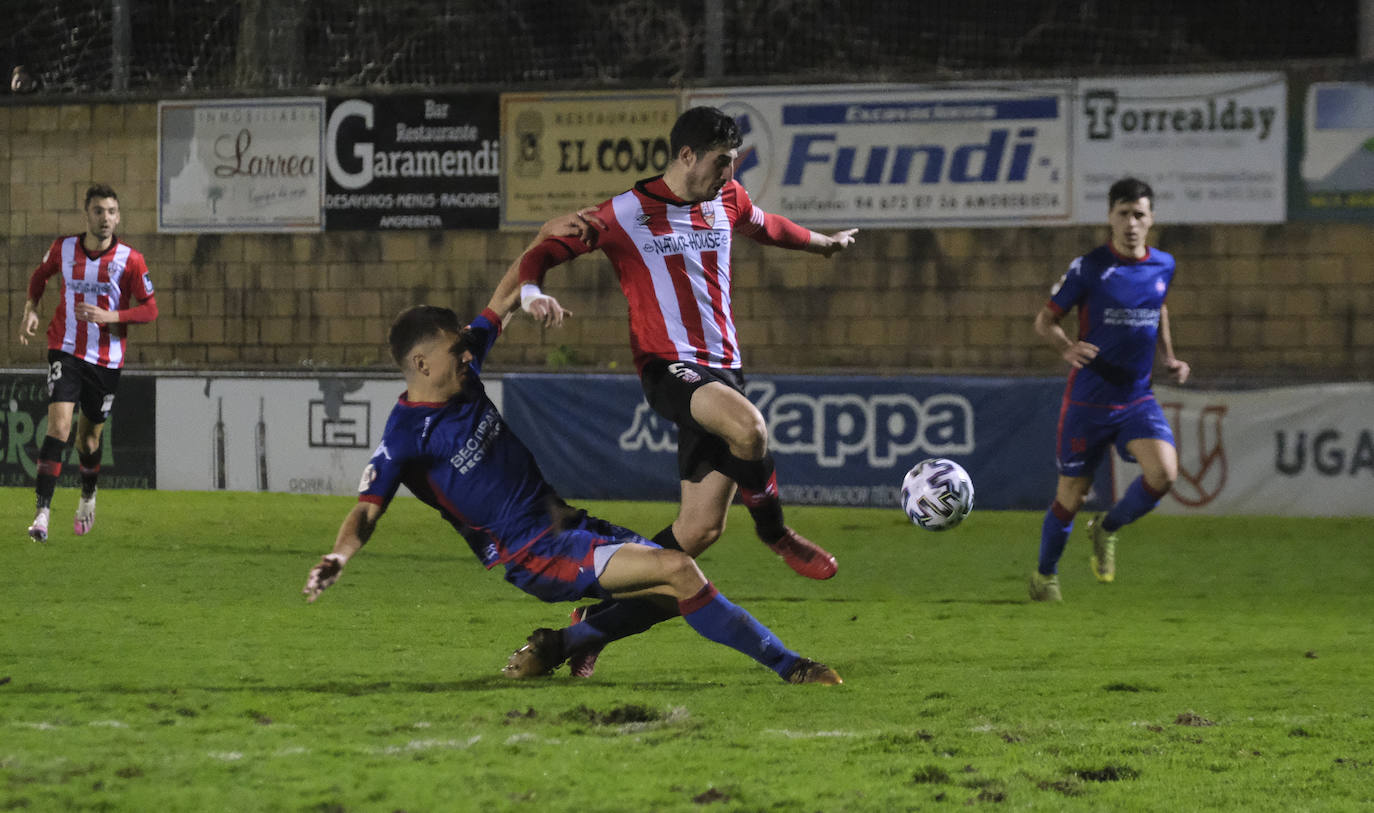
(837, 440)
(1295, 451)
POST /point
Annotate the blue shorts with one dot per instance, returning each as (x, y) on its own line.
(1086, 431)
(567, 566)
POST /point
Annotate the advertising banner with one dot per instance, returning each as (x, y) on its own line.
(250, 165)
(837, 440)
(128, 441)
(566, 151)
(295, 435)
(428, 161)
(1213, 147)
(1295, 451)
(904, 156)
(1336, 165)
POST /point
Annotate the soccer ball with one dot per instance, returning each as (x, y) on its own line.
(937, 494)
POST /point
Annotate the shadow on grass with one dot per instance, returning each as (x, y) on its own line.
(359, 688)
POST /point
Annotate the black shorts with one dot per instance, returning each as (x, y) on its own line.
(78, 381)
(668, 387)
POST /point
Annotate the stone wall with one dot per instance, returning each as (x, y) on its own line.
(1269, 302)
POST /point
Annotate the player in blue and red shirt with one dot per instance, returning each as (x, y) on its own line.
(1119, 290)
(447, 443)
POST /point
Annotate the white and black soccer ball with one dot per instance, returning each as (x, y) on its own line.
(937, 494)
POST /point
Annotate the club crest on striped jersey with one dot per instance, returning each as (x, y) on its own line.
(708, 215)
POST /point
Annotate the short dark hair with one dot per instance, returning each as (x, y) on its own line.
(1131, 190)
(704, 129)
(98, 190)
(416, 324)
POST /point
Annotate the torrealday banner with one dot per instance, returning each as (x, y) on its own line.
(1213, 147)
(428, 161)
(251, 165)
(1294, 451)
(566, 151)
(904, 156)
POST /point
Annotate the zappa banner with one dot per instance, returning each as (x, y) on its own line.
(1292, 451)
(428, 161)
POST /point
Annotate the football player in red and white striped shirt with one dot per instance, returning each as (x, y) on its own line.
(669, 241)
(104, 286)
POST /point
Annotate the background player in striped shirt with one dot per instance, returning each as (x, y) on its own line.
(1119, 290)
(446, 442)
(104, 286)
(669, 240)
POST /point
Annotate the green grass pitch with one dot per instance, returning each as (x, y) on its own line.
(167, 662)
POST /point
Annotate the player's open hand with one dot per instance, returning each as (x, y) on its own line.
(29, 328)
(322, 576)
(1178, 368)
(545, 309)
(1079, 354)
(838, 242)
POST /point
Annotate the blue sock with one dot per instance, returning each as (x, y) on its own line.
(1054, 535)
(713, 616)
(1138, 501)
(613, 620)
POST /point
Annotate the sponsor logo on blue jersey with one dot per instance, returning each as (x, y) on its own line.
(1131, 317)
(475, 447)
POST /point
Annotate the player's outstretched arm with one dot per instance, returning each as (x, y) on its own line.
(357, 527)
(828, 245)
(1177, 367)
(511, 295)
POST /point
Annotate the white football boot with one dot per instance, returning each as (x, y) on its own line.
(38, 531)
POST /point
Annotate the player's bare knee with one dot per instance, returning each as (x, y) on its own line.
(680, 572)
(697, 537)
(747, 434)
(1161, 482)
